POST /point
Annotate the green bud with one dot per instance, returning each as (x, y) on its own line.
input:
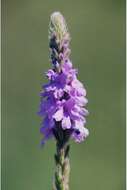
(57, 26)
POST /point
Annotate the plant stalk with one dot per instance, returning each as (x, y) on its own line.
(62, 171)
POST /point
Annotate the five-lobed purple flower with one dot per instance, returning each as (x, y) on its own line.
(63, 100)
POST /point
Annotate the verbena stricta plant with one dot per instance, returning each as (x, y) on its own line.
(63, 101)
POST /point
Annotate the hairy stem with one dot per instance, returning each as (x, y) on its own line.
(62, 171)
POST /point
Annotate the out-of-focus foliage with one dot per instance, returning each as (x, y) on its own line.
(97, 29)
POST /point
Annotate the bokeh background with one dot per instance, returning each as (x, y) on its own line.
(97, 29)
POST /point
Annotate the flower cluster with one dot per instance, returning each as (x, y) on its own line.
(63, 98)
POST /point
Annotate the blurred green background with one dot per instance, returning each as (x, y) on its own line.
(97, 29)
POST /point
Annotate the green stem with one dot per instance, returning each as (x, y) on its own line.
(61, 179)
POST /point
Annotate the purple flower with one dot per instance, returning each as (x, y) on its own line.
(63, 98)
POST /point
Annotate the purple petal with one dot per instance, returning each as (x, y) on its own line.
(58, 116)
(66, 123)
